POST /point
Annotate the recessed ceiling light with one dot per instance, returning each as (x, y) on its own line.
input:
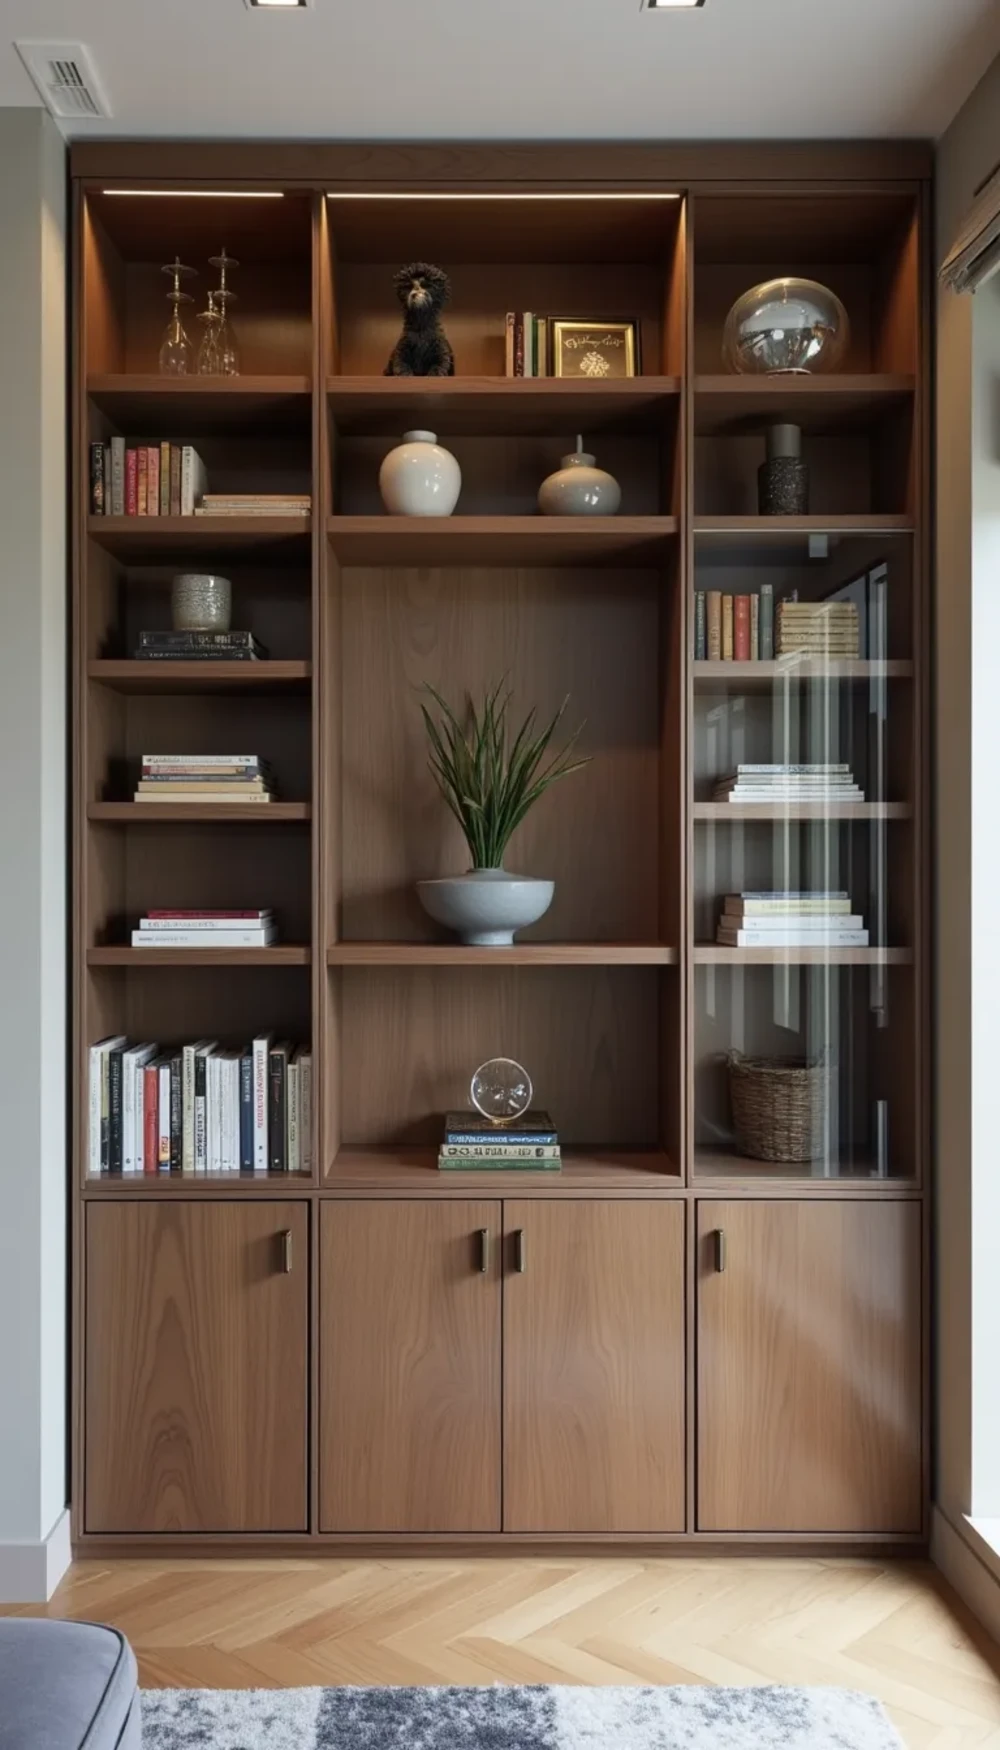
(277, 5)
(670, 5)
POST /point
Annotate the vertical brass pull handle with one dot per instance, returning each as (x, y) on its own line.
(720, 1249)
(519, 1252)
(484, 1250)
(286, 1251)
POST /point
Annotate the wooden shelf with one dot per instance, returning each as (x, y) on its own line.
(501, 540)
(126, 676)
(733, 404)
(203, 406)
(521, 954)
(415, 1172)
(156, 539)
(737, 811)
(711, 954)
(207, 813)
(500, 406)
(726, 1169)
(717, 676)
(196, 1184)
(284, 954)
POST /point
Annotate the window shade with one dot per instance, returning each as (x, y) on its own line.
(975, 253)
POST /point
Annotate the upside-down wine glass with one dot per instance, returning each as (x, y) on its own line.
(176, 352)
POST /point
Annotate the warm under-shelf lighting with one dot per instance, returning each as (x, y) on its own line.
(638, 194)
(671, 5)
(202, 194)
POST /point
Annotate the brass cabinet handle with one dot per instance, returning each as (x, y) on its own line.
(484, 1250)
(720, 1249)
(519, 1252)
(286, 1251)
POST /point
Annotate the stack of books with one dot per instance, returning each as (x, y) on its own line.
(473, 1144)
(255, 504)
(813, 918)
(204, 777)
(199, 1108)
(149, 480)
(206, 929)
(199, 647)
(818, 629)
(526, 344)
(734, 628)
(789, 783)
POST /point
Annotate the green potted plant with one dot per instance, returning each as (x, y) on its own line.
(490, 777)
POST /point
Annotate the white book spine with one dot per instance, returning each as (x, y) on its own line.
(261, 1047)
(233, 1114)
(128, 1112)
(795, 939)
(193, 480)
(97, 1053)
(163, 1140)
(214, 1136)
(305, 1110)
(187, 1109)
(153, 939)
(210, 926)
(293, 1154)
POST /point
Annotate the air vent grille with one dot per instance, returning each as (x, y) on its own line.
(65, 78)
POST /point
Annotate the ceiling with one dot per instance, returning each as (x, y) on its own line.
(517, 69)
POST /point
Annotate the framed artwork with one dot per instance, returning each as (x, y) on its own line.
(597, 351)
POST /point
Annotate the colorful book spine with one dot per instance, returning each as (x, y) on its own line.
(727, 628)
(261, 1055)
(741, 628)
(131, 482)
(246, 1112)
(117, 476)
(141, 479)
(97, 479)
(175, 480)
(754, 628)
(713, 621)
(519, 345)
(176, 1113)
(277, 1112)
(152, 481)
(150, 1117)
(700, 631)
(508, 344)
(164, 479)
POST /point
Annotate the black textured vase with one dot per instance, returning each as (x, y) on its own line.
(783, 487)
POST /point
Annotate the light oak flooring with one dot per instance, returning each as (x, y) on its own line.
(891, 1629)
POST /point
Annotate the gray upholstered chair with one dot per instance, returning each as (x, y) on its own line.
(64, 1685)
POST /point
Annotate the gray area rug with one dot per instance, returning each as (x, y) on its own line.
(535, 1718)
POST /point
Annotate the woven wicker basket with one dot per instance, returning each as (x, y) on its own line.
(780, 1107)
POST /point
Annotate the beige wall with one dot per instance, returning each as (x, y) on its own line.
(968, 153)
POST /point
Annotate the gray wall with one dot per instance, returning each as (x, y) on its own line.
(33, 852)
(964, 693)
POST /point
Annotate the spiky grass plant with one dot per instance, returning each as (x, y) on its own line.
(488, 779)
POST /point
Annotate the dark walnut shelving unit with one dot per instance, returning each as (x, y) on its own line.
(320, 1358)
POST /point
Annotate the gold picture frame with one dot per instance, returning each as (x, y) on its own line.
(596, 351)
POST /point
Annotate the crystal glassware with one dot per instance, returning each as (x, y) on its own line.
(176, 351)
(229, 353)
(501, 1090)
(209, 364)
(786, 327)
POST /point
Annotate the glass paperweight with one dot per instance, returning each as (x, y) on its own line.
(501, 1090)
(786, 327)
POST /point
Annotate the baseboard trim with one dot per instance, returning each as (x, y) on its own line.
(968, 1564)
(30, 1572)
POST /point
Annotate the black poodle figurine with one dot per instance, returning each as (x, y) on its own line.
(422, 349)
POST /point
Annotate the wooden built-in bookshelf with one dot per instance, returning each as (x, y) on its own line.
(618, 1001)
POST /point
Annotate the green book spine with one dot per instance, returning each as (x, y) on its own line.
(498, 1164)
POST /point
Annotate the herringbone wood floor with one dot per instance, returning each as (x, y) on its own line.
(893, 1630)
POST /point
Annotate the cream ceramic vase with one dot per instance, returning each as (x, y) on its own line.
(419, 478)
(579, 488)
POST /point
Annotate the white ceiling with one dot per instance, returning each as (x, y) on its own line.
(517, 69)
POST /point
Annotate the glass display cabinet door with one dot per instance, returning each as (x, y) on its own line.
(803, 892)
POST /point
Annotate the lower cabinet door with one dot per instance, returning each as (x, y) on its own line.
(809, 1366)
(196, 1366)
(409, 1359)
(594, 1366)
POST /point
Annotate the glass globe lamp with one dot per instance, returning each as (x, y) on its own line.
(786, 327)
(501, 1090)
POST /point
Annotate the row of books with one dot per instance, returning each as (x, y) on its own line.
(807, 918)
(529, 1144)
(199, 1108)
(290, 504)
(165, 646)
(148, 480)
(204, 777)
(823, 782)
(526, 344)
(818, 629)
(206, 929)
(734, 628)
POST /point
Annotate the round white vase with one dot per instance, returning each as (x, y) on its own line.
(419, 478)
(579, 488)
(486, 906)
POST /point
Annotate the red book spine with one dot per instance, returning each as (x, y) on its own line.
(131, 483)
(741, 628)
(255, 915)
(519, 345)
(143, 459)
(152, 481)
(150, 1115)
